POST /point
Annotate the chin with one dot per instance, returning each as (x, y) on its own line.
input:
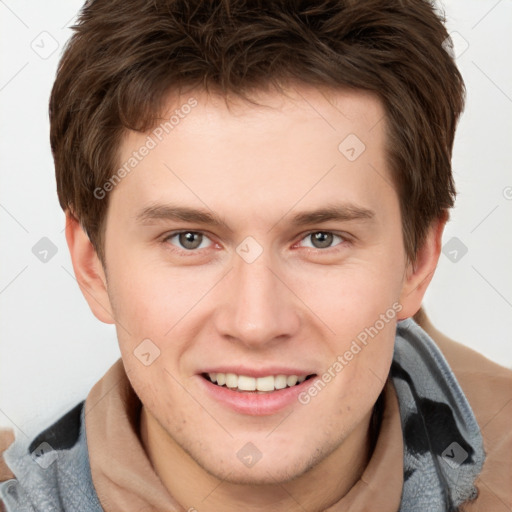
(281, 466)
(260, 474)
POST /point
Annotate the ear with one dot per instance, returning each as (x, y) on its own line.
(419, 274)
(89, 271)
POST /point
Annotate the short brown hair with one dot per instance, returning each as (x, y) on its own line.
(126, 56)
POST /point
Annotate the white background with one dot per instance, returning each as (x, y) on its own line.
(52, 349)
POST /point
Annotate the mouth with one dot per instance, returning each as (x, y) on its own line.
(256, 385)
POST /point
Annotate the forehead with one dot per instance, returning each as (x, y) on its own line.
(333, 110)
(307, 145)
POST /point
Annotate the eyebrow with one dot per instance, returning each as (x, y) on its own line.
(337, 212)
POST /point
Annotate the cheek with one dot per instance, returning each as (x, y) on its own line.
(161, 391)
(358, 306)
(154, 298)
(156, 313)
(351, 297)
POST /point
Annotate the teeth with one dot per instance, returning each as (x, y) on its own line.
(245, 383)
(263, 383)
(231, 380)
(291, 380)
(280, 382)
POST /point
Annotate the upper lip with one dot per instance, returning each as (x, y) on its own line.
(258, 372)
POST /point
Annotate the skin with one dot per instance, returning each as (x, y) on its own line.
(296, 305)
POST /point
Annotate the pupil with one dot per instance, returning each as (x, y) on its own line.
(322, 239)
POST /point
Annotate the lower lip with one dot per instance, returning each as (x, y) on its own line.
(255, 404)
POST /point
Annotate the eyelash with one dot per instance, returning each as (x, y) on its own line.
(345, 239)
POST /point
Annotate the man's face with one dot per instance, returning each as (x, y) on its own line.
(269, 289)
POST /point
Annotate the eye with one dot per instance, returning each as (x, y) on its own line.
(188, 240)
(322, 239)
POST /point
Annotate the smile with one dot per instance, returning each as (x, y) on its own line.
(245, 383)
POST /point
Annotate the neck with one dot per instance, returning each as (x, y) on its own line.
(321, 486)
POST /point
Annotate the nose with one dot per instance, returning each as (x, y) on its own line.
(258, 307)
